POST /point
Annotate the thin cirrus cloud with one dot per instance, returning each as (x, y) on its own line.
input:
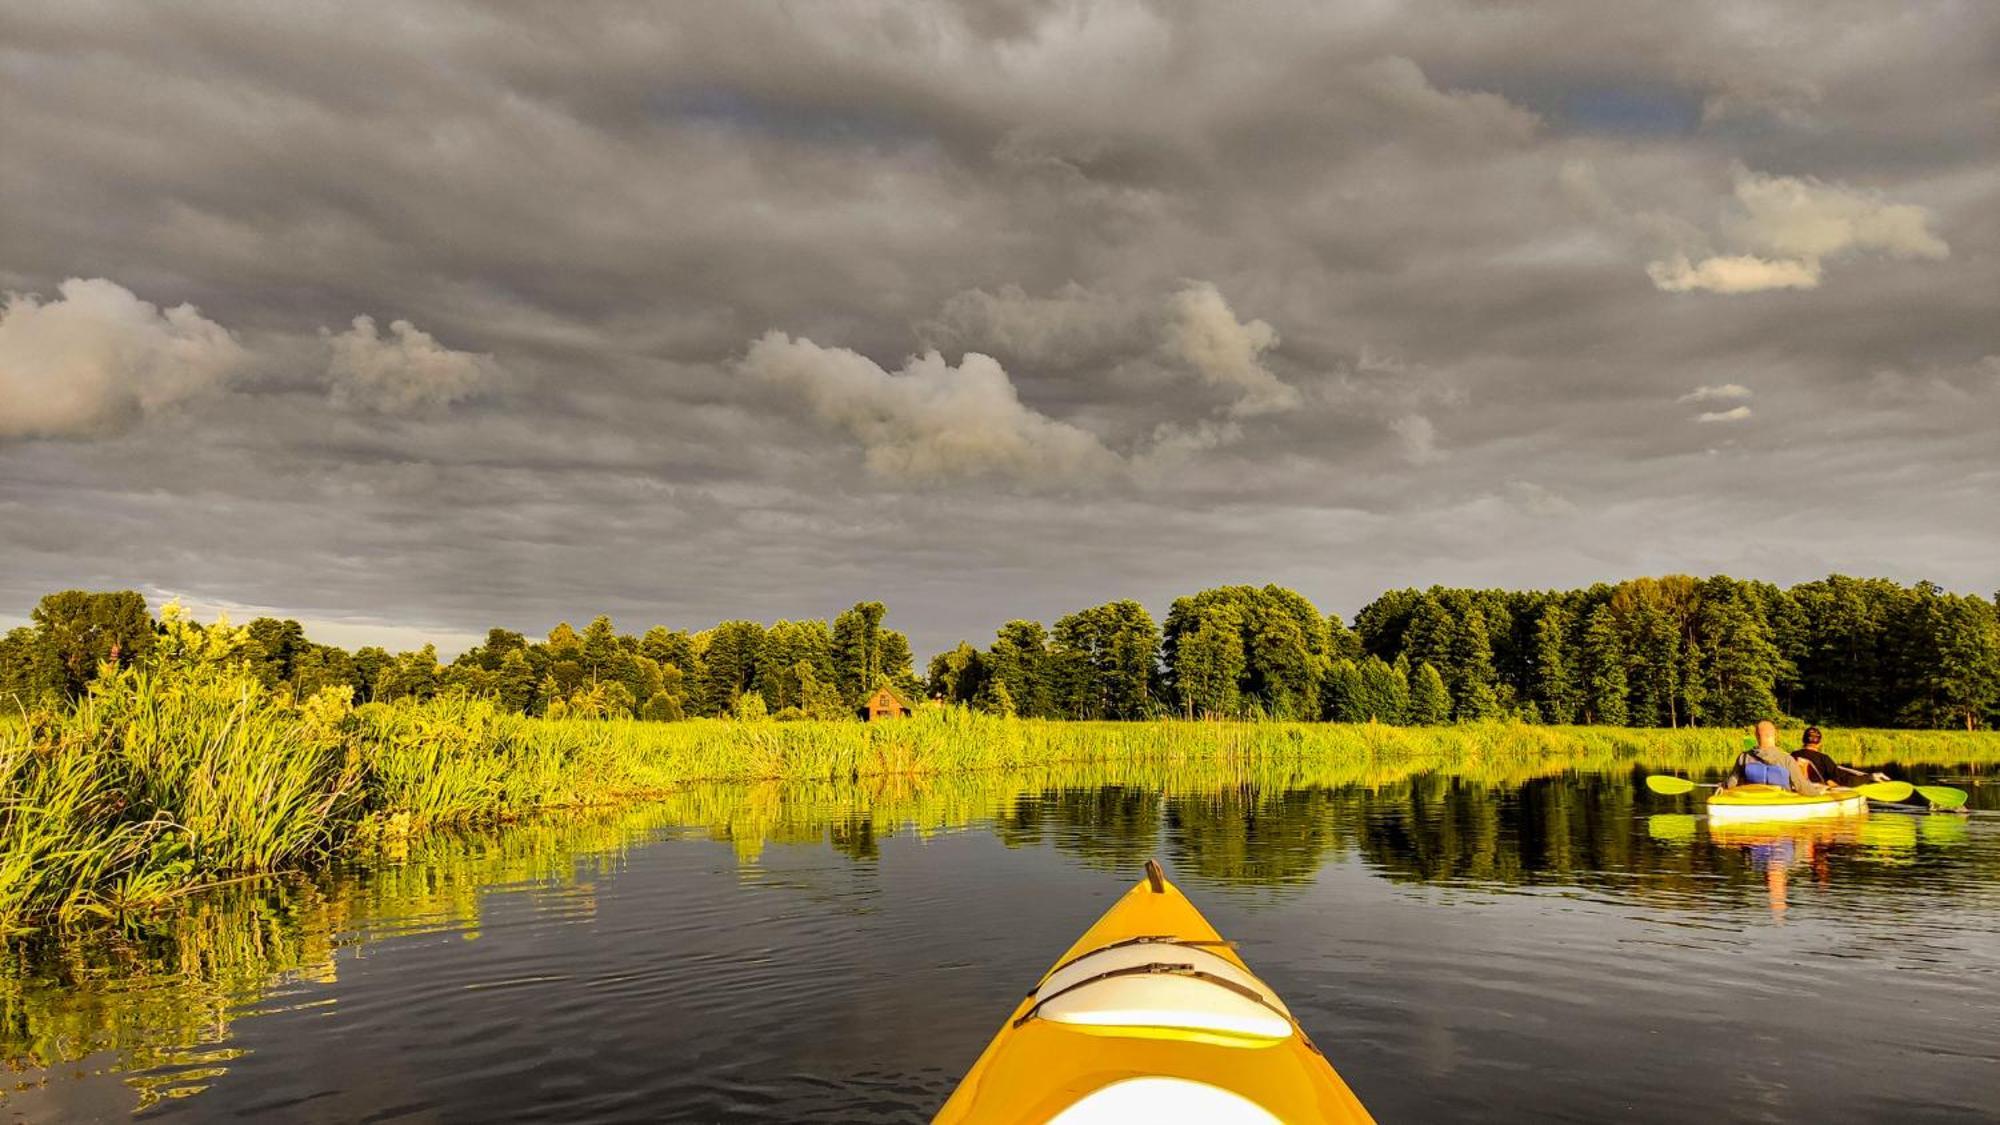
(96, 359)
(1788, 227)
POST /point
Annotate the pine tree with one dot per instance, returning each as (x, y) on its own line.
(1741, 663)
(1428, 640)
(1603, 668)
(1210, 665)
(995, 699)
(1430, 703)
(1654, 662)
(1344, 693)
(1020, 659)
(1385, 693)
(1960, 681)
(1472, 671)
(515, 681)
(1694, 693)
(1554, 689)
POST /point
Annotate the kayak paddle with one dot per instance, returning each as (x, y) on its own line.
(1668, 786)
(1943, 796)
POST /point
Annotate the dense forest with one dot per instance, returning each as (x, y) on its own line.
(1665, 652)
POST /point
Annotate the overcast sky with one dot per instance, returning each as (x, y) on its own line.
(406, 319)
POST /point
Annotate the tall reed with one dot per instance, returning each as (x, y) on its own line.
(191, 772)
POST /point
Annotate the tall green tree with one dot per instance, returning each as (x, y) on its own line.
(1554, 688)
(1019, 659)
(1430, 636)
(31, 671)
(1106, 659)
(1740, 663)
(1385, 691)
(412, 675)
(1472, 677)
(956, 674)
(786, 646)
(865, 652)
(1210, 664)
(1285, 643)
(1654, 667)
(729, 653)
(1430, 701)
(1959, 681)
(514, 680)
(1602, 664)
(1344, 693)
(84, 630)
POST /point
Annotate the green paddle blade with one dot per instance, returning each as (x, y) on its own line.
(1671, 828)
(1944, 796)
(1886, 790)
(1667, 786)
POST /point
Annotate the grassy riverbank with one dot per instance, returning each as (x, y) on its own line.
(179, 776)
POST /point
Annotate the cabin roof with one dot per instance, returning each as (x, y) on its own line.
(893, 695)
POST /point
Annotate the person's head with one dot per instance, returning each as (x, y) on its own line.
(1767, 735)
(1812, 736)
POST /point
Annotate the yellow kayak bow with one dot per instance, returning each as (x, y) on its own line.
(1151, 1016)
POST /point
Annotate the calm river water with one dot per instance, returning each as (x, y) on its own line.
(1555, 948)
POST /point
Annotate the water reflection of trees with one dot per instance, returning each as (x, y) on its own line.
(163, 992)
(1436, 829)
(1252, 836)
(1111, 827)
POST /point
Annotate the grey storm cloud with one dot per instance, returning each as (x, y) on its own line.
(986, 309)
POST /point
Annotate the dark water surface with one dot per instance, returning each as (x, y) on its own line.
(1564, 948)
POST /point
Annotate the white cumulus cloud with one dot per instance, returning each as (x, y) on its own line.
(405, 371)
(97, 358)
(1788, 225)
(1719, 392)
(1733, 414)
(1732, 273)
(1226, 352)
(929, 421)
(1809, 220)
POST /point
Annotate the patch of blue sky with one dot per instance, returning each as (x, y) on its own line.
(1638, 111)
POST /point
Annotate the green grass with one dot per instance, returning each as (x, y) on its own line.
(161, 782)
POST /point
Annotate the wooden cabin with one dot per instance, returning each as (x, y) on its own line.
(886, 704)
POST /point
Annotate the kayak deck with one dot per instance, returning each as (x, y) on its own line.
(1151, 1016)
(1771, 802)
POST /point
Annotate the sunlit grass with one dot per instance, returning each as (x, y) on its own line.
(158, 783)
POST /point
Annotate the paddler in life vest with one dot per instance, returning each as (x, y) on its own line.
(1768, 765)
(1824, 768)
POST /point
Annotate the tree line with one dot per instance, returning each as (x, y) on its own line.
(1650, 652)
(1667, 652)
(793, 669)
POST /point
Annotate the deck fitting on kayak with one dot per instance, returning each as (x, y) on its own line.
(1156, 876)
